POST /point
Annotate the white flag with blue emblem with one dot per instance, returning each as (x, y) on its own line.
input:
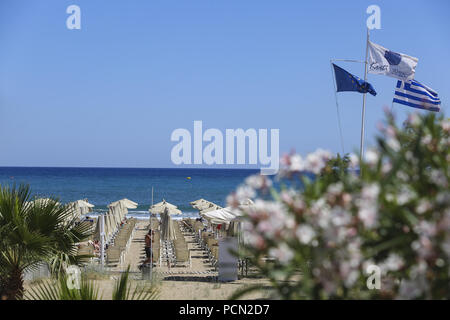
(389, 63)
(416, 95)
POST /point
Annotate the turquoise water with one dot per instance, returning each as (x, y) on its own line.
(102, 186)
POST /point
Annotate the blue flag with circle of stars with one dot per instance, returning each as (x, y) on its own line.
(345, 81)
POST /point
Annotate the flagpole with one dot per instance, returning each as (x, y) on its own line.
(364, 100)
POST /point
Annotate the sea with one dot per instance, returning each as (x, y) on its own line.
(101, 186)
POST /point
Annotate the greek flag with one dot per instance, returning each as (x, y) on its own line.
(414, 94)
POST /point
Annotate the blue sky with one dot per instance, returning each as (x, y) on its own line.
(111, 93)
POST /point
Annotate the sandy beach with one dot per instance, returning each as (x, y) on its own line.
(198, 282)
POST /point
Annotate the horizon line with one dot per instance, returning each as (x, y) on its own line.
(81, 167)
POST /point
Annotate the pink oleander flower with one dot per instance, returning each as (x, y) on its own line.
(405, 195)
(414, 120)
(393, 263)
(368, 206)
(386, 167)
(232, 200)
(287, 196)
(446, 125)
(258, 182)
(255, 240)
(316, 161)
(296, 163)
(283, 253)
(244, 192)
(305, 233)
(423, 206)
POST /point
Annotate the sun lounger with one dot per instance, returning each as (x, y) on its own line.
(120, 243)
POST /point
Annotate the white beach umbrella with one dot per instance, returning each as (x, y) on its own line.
(108, 226)
(125, 202)
(79, 208)
(112, 223)
(84, 205)
(210, 208)
(204, 205)
(220, 216)
(199, 204)
(164, 203)
(167, 226)
(160, 208)
(226, 215)
(118, 211)
(121, 207)
(129, 204)
(115, 212)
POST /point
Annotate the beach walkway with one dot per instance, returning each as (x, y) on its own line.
(135, 254)
(200, 266)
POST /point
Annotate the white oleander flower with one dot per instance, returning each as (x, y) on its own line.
(368, 206)
(393, 263)
(245, 192)
(423, 206)
(446, 125)
(317, 160)
(371, 157)
(283, 253)
(354, 160)
(335, 188)
(305, 233)
(405, 195)
(393, 144)
(426, 139)
(297, 163)
(414, 119)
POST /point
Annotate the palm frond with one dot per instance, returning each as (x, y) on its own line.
(33, 232)
(122, 290)
(61, 290)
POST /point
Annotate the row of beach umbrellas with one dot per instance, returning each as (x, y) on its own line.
(76, 208)
(212, 212)
(117, 211)
(166, 210)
